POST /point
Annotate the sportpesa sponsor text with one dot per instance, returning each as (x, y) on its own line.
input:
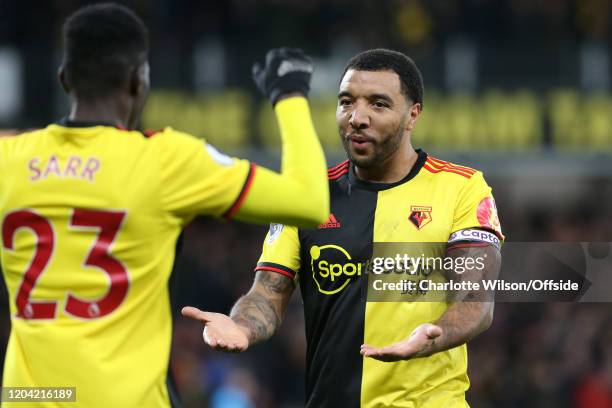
(333, 267)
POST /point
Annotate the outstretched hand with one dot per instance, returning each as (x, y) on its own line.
(220, 331)
(419, 344)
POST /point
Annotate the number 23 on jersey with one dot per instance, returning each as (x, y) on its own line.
(107, 224)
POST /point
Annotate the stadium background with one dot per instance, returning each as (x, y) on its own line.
(517, 88)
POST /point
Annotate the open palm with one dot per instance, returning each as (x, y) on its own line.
(419, 344)
(220, 331)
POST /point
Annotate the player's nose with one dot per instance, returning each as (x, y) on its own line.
(359, 118)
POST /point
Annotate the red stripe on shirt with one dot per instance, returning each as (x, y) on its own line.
(336, 167)
(431, 169)
(336, 170)
(243, 193)
(437, 162)
(338, 175)
(275, 270)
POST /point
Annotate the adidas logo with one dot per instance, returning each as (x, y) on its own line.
(331, 222)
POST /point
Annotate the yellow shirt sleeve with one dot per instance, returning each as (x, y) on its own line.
(281, 251)
(476, 207)
(299, 195)
(199, 180)
(196, 178)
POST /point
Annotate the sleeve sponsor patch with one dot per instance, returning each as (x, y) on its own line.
(218, 157)
(474, 235)
(487, 215)
(275, 231)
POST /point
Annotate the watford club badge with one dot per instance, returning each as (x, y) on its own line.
(420, 216)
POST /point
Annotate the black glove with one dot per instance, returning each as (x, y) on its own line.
(287, 70)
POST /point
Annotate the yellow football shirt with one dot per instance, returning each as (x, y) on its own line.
(88, 281)
(90, 216)
(329, 263)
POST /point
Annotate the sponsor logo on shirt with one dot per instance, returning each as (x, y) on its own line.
(219, 157)
(331, 222)
(333, 268)
(487, 215)
(275, 231)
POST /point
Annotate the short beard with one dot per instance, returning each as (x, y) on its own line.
(382, 151)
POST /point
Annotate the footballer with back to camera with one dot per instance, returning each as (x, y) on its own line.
(375, 354)
(91, 210)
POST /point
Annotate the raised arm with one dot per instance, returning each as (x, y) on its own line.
(299, 195)
(197, 179)
(255, 317)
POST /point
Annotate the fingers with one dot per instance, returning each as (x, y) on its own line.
(417, 345)
(290, 52)
(433, 331)
(208, 338)
(193, 312)
(384, 354)
(219, 343)
(394, 352)
(197, 314)
(271, 54)
(368, 351)
(376, 354)
(296, 53)
(256, 70)
(219, 332)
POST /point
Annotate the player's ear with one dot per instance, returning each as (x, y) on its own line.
(61, 75)
(413, 114)
(139, 80)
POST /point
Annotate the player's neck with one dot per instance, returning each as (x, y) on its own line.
(392, 170)
(99, 111)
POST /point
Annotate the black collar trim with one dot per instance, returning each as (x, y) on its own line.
(368, 185)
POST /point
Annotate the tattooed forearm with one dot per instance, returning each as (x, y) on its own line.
(260, 311)
(256, 313)
(470, 313)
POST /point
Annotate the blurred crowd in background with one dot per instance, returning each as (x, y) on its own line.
(517, 88)
(545, 61)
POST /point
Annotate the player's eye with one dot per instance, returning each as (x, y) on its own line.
(344, 102)
(381, 104)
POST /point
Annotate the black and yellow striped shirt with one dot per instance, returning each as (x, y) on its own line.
(434, 200)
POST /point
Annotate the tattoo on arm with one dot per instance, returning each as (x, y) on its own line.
(470, 313)
(261, 310)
